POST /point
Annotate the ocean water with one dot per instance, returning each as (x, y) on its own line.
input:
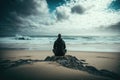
(73, 43)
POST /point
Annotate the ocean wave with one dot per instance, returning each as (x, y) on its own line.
(67, 39)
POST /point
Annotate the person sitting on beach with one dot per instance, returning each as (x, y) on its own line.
(59, 47)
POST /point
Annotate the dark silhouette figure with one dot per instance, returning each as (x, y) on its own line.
(59, 47)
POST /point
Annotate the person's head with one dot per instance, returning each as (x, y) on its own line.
(59, 35)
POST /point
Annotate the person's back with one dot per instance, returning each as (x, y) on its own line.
(59, 47)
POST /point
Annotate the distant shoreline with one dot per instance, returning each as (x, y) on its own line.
(7, 49)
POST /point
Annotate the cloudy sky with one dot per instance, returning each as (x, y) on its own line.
(74, 17)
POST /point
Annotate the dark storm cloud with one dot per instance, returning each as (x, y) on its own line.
(77, 9)
(10, 9)
(115, 5)
(114, 27)
(61, 15)
(9, 12)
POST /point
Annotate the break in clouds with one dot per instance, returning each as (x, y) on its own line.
(37, 17)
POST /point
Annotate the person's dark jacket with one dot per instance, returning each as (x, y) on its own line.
(59, 46)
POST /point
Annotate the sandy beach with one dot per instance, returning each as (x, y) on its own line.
(47, 70)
